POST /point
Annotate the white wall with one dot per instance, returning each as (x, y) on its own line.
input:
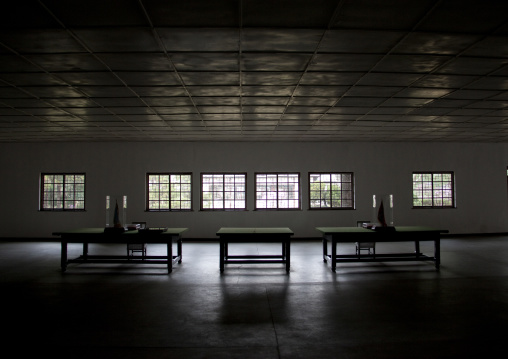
(120, 168)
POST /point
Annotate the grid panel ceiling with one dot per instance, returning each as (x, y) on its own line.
(254, 70)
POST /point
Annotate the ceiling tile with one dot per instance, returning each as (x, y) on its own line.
(491, 82)
(388, 79)
(42, 41)
(269, 78)
(209, 78)
(116, 102)
(344, 62)
(406, 102)
(431, 43)
(359, 101)
(457, 16)
(360, 41)
(136, 62)
(320, 91)
(471, 94)
(418, 92)
(373, 91)
(472, 66)
(89, 78)
(167, 101)
(96, 13)
(410, 63)
(172, 110)
(280, 40)
(272, 100)
(17, 63)
(149, 78)
(378, 14)
(221, 90)
(444, 81)
(124, 39)
(105, 91)
(219, 109)
(199, 39)
(209, 61)
(30, 79)
(268, 90)
(19, 14)
(266, 13)
(290, 70)
(264, 109)
(196, 13)
(306, 109)
(331, 78)
(274, 62)
(26, 102)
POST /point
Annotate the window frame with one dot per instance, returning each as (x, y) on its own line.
(42, 192)
(223, 208)
(332, 208)
(299, 208)
(433, 189)
(170, 209)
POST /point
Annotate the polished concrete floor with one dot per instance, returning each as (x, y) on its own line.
(383, 310)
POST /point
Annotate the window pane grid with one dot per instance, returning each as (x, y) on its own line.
(223, 191)
(62, 192)
(278, 191)
(331, 191)
(433, 189)
(169, 192)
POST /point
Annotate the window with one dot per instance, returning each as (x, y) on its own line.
(62, 192)
(277, 191)
(169, 191)
(331, 190)
(433, 189)
(223, 191)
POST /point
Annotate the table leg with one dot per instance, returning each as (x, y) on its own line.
(288, 255)
(417, 248)
(325, 249)
(221, 255)
(179, 249)
(63, 258)
(170, 256)
(85, 250)
(334, 254)
(437, 252)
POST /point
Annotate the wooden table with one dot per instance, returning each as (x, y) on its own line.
(258, 235)
(97, 235)
(415, 234)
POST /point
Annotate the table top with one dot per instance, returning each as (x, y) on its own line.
(254, 230)
(100, 231)
(365, 231)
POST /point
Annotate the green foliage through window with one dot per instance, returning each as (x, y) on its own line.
(433, 189)
(169, 191)
(223, 191)
(278, 191)
(331, 190)
(62, 192)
